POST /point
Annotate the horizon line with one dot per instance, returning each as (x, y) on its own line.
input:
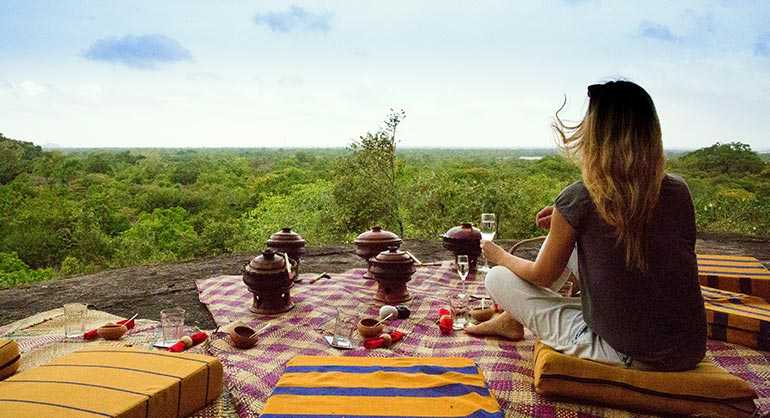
(404, 147)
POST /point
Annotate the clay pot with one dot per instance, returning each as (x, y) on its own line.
(368, 328)
(373, 242)
(392, 269)
(243, 337)
(464, 240)
(480, 314)
(111, 331)
(269, 282)
(291, 243)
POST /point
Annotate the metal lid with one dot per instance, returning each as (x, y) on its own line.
(286, 238)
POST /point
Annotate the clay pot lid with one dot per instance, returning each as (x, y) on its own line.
(464, 232)
(394, 257)
(269, 262)
(378, 236)
(286, 238)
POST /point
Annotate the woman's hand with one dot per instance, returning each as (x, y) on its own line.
(543, 218)
(493, 252)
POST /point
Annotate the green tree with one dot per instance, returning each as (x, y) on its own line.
(13, 271)
(367, 187)
(90, 245)
(734, 158)
(99, 162)
(161, 236)
(222, 236)
(310, 209)
(40, 229)
(15, 157)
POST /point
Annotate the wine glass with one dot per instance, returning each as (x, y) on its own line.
(463, 265)
(488, 230)
(458, 302)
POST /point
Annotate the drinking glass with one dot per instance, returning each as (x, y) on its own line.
(459, 302)
(488, 229)
(463, 265)
(74, 319)
(459, 311)
(343, 329)
(172, 324)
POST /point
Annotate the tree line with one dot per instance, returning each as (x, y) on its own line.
(73, 212)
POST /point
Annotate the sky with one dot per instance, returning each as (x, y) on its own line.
(321, 73)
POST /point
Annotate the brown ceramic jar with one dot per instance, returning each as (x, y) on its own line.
(392, 269)
(464, 239)
(291, 243)
(373, 242)
(269, 282)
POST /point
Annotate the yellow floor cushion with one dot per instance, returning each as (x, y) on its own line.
(113, 382)
(9, 358)
(708, 390)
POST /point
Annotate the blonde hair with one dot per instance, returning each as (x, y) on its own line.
(620, 152)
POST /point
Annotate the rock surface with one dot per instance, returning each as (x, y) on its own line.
(148, 289)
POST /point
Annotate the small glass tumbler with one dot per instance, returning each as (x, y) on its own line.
(74, 319)
(459, 306)
(343, 328)
(172, 324)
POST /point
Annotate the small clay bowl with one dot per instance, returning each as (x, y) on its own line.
(111, 331)
(243, 337)
(367, 328)
(482, 314)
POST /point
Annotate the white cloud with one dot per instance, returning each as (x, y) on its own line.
(31, 88)
(295, 19)
(140, 51)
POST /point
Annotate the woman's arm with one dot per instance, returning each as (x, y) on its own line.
(551, 261)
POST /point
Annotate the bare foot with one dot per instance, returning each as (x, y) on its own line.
(502, 325)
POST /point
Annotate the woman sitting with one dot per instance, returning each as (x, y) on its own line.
(627, 232)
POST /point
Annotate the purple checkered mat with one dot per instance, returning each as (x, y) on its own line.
(251, 374)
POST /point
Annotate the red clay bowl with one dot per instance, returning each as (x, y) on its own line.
(241, 337)
(367, 329)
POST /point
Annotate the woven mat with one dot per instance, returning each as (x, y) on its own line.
(711, 294)
(251, 374)
(41, 340)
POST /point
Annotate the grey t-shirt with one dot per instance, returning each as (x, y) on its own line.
(656, 317)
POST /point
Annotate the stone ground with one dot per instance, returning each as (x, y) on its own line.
(148, 289)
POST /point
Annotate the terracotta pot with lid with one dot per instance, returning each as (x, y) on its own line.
(392, 269)
(464, 239)
(268, 280)
(373, 242)
(291, 243)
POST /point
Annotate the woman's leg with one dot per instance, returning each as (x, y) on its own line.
(556, 320)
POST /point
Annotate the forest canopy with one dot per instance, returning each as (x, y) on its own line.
(79, 211)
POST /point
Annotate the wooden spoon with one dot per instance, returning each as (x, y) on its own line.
(260, 330)
(382, 320)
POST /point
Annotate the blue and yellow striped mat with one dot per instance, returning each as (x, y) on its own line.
(735, 274)
(381, 387)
